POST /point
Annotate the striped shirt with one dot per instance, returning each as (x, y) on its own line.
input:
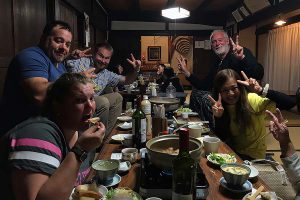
(35, 145)
(104, 78)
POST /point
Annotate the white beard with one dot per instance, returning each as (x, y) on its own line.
(223, 50)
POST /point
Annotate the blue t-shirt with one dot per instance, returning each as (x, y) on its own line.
(15, 106)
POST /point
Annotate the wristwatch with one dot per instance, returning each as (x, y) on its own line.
(265, 90)
(80, 154)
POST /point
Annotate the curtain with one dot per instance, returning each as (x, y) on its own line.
(282, 60)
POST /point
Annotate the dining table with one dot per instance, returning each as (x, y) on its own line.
(213, 173)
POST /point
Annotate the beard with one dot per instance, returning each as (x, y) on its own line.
(222, 50)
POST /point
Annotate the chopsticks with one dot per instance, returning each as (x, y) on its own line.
(180, 127)
(253, 196)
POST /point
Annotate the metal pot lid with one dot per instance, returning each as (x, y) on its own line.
(164, 100)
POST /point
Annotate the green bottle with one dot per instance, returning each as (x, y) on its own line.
(184, 170)
(139, 126)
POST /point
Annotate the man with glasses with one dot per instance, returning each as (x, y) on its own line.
(108, 106)
(228, 55)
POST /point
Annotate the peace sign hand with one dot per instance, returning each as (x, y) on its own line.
(251, 84)
(76, 54)
(182, 66)
(238, 51)
(278, 127)
(135, 63)
(217, 107)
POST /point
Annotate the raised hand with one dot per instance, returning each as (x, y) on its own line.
(251, 84)
(278, 127)
(135, 63)
(76, 54)
(92, 137)
(238, 51)
(89, 73)
(217, 107)
(182, 66)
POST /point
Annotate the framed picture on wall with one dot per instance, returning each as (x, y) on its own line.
(154, 53)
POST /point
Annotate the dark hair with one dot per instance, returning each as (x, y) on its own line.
(104, 45)
(163, 65)
(243, 108)
(168, 72)
(57, 92)
(49, 27)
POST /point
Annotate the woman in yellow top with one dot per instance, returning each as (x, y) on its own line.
(239, 115)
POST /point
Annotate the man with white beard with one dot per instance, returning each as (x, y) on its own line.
(228, 55)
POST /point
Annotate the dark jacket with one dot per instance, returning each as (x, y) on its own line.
(249, 65)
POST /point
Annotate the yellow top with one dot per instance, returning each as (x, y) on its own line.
(248, 141)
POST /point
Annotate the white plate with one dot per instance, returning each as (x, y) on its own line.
(102, 189)
(124, 166)
(119, 137)
(125, 125)
(224, 155)
(124, 118)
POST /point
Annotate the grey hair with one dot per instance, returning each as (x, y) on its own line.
(219, 31)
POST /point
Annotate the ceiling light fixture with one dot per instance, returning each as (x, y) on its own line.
(175, 13)
(280, 22)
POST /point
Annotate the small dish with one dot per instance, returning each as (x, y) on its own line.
(228, 158)
(102, 189)
(125, 125)
(246, 187)
(116, 156)
(254, 172)
(119, 137)
(116, 180)
(124, 118)
(124, 166)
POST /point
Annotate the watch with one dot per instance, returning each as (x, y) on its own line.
(80, 154)
(265, 90)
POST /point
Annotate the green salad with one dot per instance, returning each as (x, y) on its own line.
(183, 110)
(220, 159)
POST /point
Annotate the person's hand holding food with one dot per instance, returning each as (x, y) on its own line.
(92, 137)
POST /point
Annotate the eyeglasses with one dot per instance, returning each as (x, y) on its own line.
(227, 90)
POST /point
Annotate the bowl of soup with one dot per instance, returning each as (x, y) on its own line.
(106, 169)
(235, 174)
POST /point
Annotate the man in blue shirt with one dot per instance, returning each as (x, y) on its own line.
(30, 73)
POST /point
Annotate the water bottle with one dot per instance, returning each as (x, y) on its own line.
(171, 91)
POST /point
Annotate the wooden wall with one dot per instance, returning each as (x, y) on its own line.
(22, 22)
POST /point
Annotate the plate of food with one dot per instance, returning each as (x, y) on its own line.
(119, 137)
(263, 196)
(122, 193)
(125, 125)
(188, 111)
(124, 118)
(221, 158)
(88, 190)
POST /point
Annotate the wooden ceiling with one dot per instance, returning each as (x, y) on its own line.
(211, 12)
